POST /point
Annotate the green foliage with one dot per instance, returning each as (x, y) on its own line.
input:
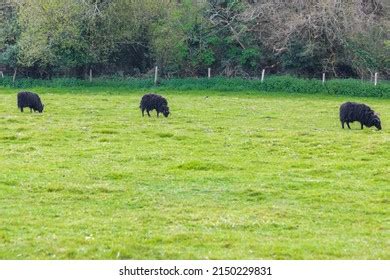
(304, 59)
(78, 83)
(288, 84)
(68, 37)
(250, 57)
(169, 47)
(9, 56)
(51, 34)
(365, 53)
(233, 176)
(180, 41)
(9, 35)
(385, 56)
(235, 50)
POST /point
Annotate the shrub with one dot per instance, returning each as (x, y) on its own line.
(288, 84)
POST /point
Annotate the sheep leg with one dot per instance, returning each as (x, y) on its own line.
(158, 113)
(147, 111)
(342, 125)
(348, 125)
(30, 110)
(21, 109)
(143, 110)
(361, 126)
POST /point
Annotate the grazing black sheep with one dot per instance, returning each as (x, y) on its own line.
(31, 100)
(351, 111)
(156, 102)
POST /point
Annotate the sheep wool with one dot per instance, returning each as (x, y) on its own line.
(351, 111)
(30, 100)
(156, 102)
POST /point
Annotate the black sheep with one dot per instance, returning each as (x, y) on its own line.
(351, 111)
(156, 102)
(31, 100)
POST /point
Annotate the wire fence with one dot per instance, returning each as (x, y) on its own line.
(158, 78)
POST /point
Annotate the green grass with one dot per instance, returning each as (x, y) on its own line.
(231, 176)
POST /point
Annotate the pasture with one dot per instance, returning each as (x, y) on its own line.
(227, 176)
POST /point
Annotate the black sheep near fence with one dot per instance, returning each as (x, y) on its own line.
(351, 111)
(156, 102)
(30, 100)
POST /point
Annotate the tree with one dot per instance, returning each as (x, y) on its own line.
(324, 30)
(234, 37)
(50, 34)
(9, 35)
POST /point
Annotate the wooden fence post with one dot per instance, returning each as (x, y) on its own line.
(323, 78)
(376, 79)
(14, 77)
(90, 74)
(155, 75)
(262, 75)
(209, 73)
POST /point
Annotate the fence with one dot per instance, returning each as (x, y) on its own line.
(263, 72)
(374, 77)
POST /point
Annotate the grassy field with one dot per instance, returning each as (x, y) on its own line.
(228, 176)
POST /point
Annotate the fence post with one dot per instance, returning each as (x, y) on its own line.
(2, 74)
(155, 75)
(90, 74)
(323, 78)
(14, 77)
(209, 73)
(376, 79)
(262, 75)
